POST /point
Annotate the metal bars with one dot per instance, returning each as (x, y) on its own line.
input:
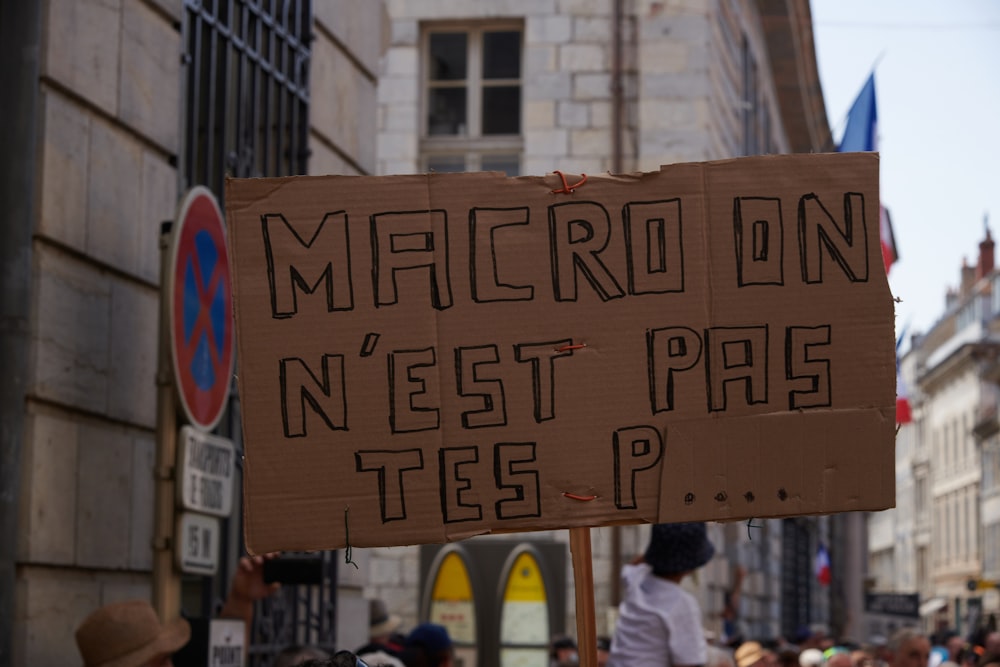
(247, 69)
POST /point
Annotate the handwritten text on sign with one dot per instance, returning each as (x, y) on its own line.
(428, 357)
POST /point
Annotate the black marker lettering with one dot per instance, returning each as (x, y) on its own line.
(655, 246)
(468, 361)
(323, 258)
(579, 232)
(669, 351)
(326, 395)
(410, 372)
(454, 487)
(800, 343)
(636, 448)
(484, 272)
(736, 355)
(543, 380)
(409, 241)
(818, 231)
(759, 237)
(390, 467)
(526, 501)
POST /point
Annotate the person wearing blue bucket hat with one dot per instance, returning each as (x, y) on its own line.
(659, 623)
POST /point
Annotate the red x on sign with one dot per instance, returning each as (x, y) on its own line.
(201, 310)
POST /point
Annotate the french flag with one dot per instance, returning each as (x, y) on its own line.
(904, 415)
(822, 565)
(861, 134)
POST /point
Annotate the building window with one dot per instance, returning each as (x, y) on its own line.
(472, 98)
(247, 71)
(755, 116)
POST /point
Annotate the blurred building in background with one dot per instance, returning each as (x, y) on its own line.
(943, 539)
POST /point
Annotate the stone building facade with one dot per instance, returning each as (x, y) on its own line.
(95, 158)
(941, 540)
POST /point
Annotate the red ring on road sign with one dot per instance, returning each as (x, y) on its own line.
(201, 309)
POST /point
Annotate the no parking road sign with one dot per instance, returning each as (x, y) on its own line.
(201, 309)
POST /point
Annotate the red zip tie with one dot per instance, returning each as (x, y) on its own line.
(578, 497)
(577, 346)
(567, 189)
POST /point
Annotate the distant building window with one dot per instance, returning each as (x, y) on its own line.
(472, 98)
(756, 117)
(247, 89)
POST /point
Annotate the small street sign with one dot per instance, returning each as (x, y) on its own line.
(906, 605)
(226, 642)
(206, 469)
(197, 549)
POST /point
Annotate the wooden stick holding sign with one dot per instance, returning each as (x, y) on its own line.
(583, 578)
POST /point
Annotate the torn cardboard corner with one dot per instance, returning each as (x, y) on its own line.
(428, 357)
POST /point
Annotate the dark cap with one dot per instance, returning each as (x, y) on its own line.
(678, 547)
(430, 636)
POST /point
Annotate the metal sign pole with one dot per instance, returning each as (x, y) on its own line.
(166, 580)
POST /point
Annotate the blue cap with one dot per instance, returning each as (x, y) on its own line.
(430, 636)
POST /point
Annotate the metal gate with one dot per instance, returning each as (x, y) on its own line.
(246, 114)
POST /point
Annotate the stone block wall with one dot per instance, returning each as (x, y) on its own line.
(109, 100)
(111, 95)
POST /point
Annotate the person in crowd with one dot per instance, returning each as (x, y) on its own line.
(428, 645)
(811, 657)
(788, 655)
(603, 649)
(731, 609)
(862, 657)
(908, 647)
(839, 658)
(296, 655)
(660, 622)
(754, 654)
(338, 659)
(716, 656)
(129, 633)
(989, 660)
(563, 651)
(382, 647)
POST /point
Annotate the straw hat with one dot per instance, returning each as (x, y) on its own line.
(128, 634)
(748, 653)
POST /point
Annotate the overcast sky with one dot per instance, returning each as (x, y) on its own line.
(937, 85)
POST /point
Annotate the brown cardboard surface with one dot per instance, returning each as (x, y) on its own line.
(409, 370)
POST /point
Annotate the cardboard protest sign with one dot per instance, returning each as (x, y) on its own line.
(425, 358)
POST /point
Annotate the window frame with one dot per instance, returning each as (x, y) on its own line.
(473, 146)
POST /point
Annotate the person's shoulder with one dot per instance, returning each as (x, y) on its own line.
(380, 658)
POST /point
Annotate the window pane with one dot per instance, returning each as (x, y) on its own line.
(446, 111)
(446, 163)
(508, 164)
(502, 55)
(448, 54)
(502, 110)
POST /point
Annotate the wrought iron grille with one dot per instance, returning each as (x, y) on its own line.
(247, 70)
(246, 113)
(797, 575)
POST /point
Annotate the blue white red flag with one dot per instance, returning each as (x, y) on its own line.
(904, 415)
(861, 134)
(822, 565)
